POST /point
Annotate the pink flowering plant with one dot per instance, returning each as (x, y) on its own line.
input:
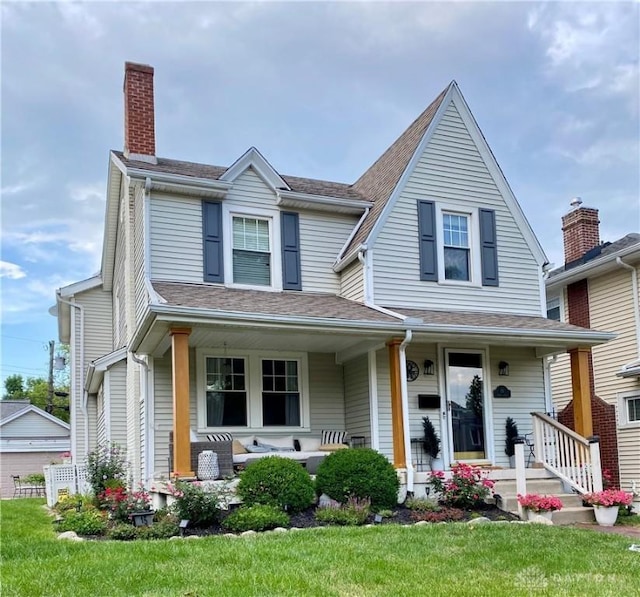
(539, 503)
(195, 503)
(608, 497)
(120, 503)
(468, 486)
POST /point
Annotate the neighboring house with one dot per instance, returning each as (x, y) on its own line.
(30, 438)
(239, 299)
(598, 286)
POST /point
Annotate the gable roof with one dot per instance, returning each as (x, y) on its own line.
(10, 410)
(595, 262)
(379, 181)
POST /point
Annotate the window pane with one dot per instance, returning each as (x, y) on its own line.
(634, 409)
(456, 232)
(456, 264)
(281, 409)
(553, 309)
(225, 409)
(251, 268)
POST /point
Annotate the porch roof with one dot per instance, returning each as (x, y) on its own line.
(545, 334)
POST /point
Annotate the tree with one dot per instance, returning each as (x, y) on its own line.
(474, 397)
(14, 387)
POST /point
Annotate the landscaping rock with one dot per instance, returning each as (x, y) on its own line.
(541, 520)
(70, 536)
(193, 537)
(479, 520)
(175, 538)
(279, 530)
(248, 533)
(325, 501)
(421, 523)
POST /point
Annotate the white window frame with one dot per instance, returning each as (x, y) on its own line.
(475, 267)
(623, 408)
(253, 383)
(272, 217)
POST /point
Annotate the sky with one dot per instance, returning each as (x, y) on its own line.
(321, 89)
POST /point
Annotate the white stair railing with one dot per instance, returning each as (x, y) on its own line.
(566, 454)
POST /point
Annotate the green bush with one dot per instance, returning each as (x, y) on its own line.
(354, 513)
(362, 473)
(201, 508)
(277, 481)
(422, 504)
(122, 532)
(33, 479)
(106, 468)
(259, 517)
(164, 529)
(87, 522)
(75, 502)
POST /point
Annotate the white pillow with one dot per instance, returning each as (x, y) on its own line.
(246, 441)
(333, 437)
(278, 442)
(309, 444)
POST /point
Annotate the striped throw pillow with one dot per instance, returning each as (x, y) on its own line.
(220, 437)
(333, 437)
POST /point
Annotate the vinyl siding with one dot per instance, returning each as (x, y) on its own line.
(326, 393)
(611, 308)
(322, 235)
(141, 296)
(176, 235)
(452, 171)
(352, 282)
(119, 282)
(118, 389)
(32, 425)
(163, 413)
(357, 403)
(101, 430)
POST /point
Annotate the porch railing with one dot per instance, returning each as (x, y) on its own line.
(566, 454)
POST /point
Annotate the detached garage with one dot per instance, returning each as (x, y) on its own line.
(30, 438)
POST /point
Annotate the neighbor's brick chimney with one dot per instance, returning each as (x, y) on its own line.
(581, 232)
(139, 127)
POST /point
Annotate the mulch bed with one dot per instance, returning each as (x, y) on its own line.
(402, 515)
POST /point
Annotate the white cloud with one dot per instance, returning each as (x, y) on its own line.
(85, 192)
(11, 270)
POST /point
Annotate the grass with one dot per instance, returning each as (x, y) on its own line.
(442, 559)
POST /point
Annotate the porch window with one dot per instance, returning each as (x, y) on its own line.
(251, 251)
(280, 393)
(456, 246)
(629, 409)
(226, 394)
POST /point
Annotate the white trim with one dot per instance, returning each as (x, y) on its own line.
(321, 202)
(141, 157)
(623, 409)
(30, 408)
(372, 356)
(150, 441)
(473, 232)
(82, 286)
(273, 218)
(253, 385)
(12, 446)
(254, 159)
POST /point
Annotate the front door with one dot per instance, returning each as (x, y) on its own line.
(466, 410)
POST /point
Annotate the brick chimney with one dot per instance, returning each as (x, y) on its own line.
(139, 127)
(580, 229)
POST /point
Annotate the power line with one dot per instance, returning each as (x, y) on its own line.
(43, 342)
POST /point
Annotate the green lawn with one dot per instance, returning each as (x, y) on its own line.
(443, 559)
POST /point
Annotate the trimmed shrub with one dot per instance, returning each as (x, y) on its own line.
(75, 502)
(277, 481)
(362, 473)
(122, 532)
(87, 522)
(422, 505)
(442, 515)
(354, 513)
(201, 508)
(164, 529)
(259, 517)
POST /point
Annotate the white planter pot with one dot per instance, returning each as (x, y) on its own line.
(531, 515)
(606, 516)
(437, 464)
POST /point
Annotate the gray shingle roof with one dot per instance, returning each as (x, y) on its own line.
(301, 185)
(10, 407)
(599, 253)
(489, 320)
(301, 304)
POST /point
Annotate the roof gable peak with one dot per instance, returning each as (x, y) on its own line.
(254, 159)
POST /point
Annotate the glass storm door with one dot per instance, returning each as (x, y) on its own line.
(465, 404)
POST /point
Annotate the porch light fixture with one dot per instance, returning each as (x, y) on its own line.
(428, 367)
(503, 368)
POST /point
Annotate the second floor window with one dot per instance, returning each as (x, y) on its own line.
(251, 251)
(456, 246)
(553, 308)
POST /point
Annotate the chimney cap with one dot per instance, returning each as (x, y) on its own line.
(576, 202)
(143, 68)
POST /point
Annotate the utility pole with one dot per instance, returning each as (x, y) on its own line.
(52, 347)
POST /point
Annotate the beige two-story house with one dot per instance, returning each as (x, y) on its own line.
(236, 299)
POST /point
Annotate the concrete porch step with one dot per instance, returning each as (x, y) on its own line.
(547, 486)
(572, 515)
(509, 503)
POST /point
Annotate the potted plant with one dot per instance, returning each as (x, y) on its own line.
(511, 432)
(539, 505)
(606, 504)
(431, 443)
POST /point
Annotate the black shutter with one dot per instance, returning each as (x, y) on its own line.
(427, 241)
(488, 247)
(212, 239)
(290, 228)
